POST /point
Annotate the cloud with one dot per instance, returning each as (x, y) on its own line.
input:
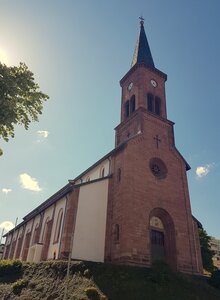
(203, 171)
(7, 225)
(29, 183)
(43, 134)
(6, 191)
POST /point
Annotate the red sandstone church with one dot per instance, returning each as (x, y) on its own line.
(130, 207)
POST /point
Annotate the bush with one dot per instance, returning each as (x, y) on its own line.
(161, 272)
(92, 293)
(19, 285)
(10, 267)
(215, 279)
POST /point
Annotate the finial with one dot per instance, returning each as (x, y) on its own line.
(142, 20)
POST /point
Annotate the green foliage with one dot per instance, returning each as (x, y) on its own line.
(92, 293)
(215, 279)
(9, 267)
(161, 273)
(19, 285)
(206, 251)
(20, 99)
(47, 280)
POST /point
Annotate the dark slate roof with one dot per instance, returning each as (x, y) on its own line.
(197, 222)
(58, 195)
(142, 53)
(108, 155)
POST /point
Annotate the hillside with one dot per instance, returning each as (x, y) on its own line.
(47, 280)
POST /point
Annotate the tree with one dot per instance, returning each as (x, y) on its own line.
(206, 251)
(215, 279)
(21, 102)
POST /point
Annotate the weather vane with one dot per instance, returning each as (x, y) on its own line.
(142, 20)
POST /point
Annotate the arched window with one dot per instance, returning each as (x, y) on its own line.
(153, 104)
(119, 175)
(102, 172)
(35, 235)
(58, 226)
(44, 235)
(127, 108)
(156, 223)
(132, 104)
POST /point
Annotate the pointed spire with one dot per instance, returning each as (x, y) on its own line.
(142, 52)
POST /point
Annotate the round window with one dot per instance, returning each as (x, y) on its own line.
(158, 168)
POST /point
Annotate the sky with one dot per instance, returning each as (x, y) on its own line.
(78, 52)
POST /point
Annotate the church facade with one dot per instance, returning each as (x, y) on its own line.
(130, 207)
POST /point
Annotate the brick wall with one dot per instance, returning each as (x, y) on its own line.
(132, 200)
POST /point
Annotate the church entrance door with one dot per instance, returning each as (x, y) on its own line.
(162, 237)
(157, 245)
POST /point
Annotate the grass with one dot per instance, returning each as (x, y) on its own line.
(88, 281)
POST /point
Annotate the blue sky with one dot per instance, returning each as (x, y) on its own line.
(78, 51)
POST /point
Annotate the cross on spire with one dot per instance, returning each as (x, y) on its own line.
(142, 20)
(142, 53)
(156, 138)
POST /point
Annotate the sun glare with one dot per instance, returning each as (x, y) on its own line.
(3, 57)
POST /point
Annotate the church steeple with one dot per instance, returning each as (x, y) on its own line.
(142, 53)
(143, 91)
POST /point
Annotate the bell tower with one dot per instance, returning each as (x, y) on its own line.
(149, 213)
(143, 87)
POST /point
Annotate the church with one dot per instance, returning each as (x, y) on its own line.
(130, 207)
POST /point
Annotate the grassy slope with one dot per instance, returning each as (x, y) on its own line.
(47, 280)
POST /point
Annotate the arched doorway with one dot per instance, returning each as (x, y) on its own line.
(162, 237)
(157, 239)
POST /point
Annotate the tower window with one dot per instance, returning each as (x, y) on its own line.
(153, 104)
(150, 100)
(157, 106)
(127, 108)
(132, 104)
